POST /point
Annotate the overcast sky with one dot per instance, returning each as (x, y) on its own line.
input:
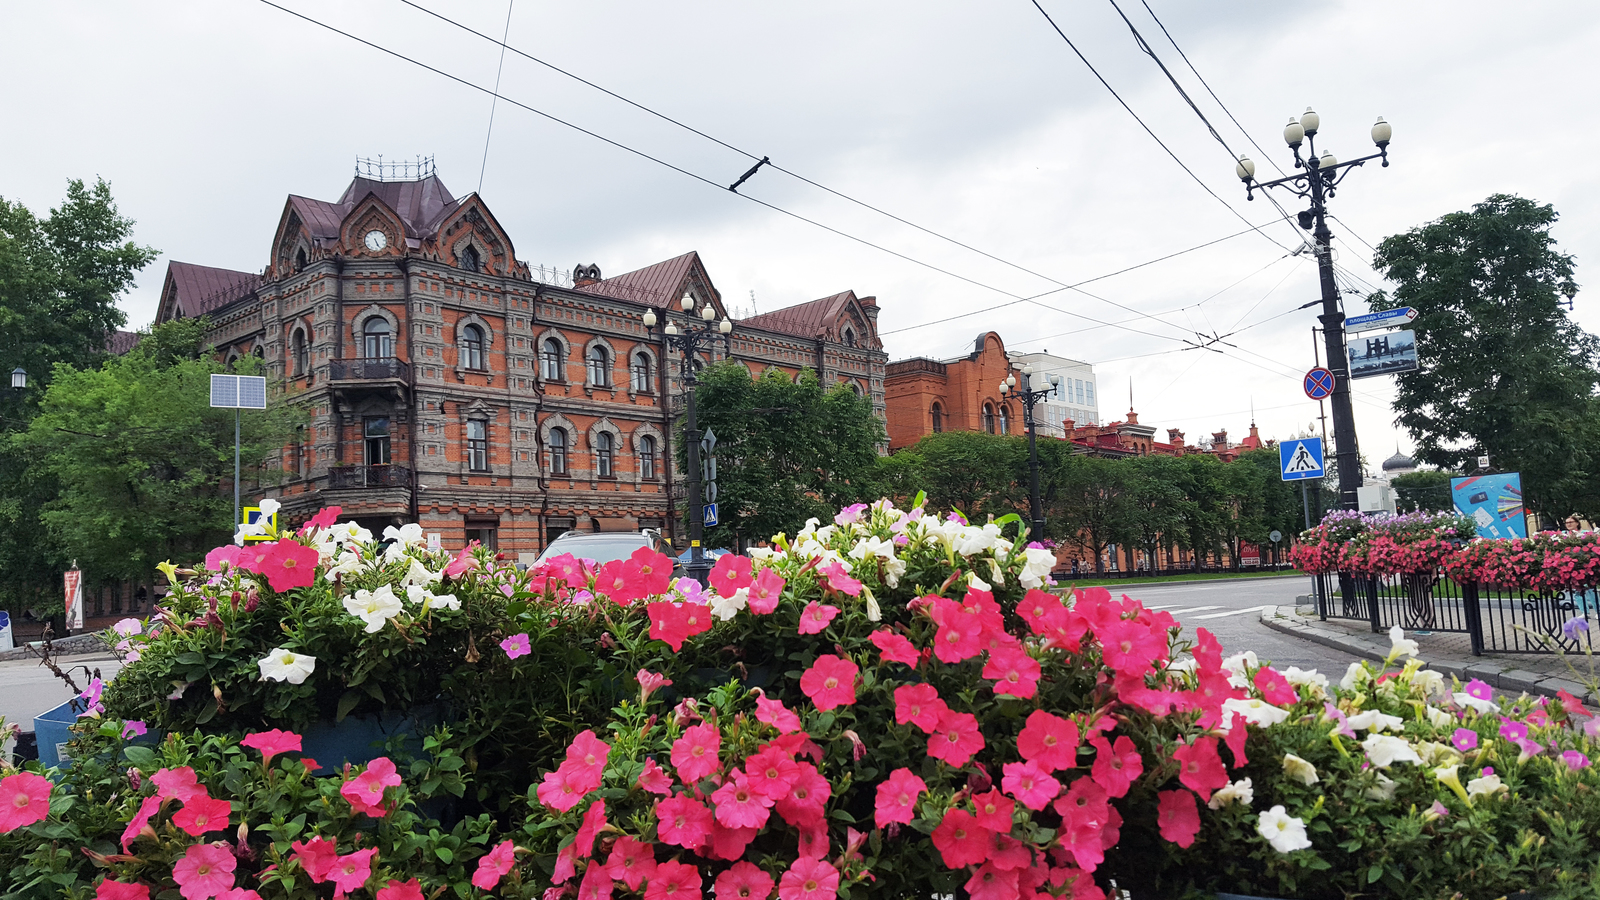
(974, 120)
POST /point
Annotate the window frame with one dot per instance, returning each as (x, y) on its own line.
(300, 353)
(648, 459)
(471, 351)
(560, 446)
(605, 455)
(552, 360)
(478, 446)
(370, 333)
(368, 439)
(936, 413)
(597, 365)
(988, 418)
(640, 375)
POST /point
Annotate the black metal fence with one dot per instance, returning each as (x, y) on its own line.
(347, 477)
(1497, 620)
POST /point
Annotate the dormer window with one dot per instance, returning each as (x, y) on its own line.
(470, 260)
(300, 259)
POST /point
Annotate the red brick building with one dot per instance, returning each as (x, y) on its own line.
(449, 383)
(925, 396)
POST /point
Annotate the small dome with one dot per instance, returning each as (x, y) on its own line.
(1399, 462)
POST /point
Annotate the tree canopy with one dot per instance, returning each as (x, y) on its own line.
(1504, 369)
(787, 450)
(60, 277)
(142, 463)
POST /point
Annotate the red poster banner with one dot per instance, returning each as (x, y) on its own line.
(74, 584)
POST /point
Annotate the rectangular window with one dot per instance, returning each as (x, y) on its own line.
(375, 432)
(1088, 387)
(485, 533)
(556, 527)
(477, 445)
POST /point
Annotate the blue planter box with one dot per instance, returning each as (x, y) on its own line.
(361, 739)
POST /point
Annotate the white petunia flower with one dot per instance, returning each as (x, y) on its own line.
(976, 583)
(997, 573)
(1384, 788)
(417, 573)
(874, 612)
(1376, 720)
(1236, 664)
(1483, 707)
(349, 563)
(418, 594)
(1400, 645)
(1306, 677)
(408, 534)
(1488, 784)
(269, 508)
(1434, 753)
(977, 540)
(1354, 676)
(1284, 832)
(1257, 712)
(1431, 683)
(1438, 718)
(286, 665)
(726, 608)
(1037, 564)
(374, 607)
(1299, 769)
(1384, 750)
(1240, 792)
(247, 529)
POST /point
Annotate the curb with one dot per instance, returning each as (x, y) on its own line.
(1494, 671)
(1144, 584)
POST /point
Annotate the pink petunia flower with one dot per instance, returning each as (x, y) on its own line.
(401, 890)
(560, 790)
(204, 871)
(919, 705)
(894, 647)
(596, 884)
(960, 840)
(655, 779)
(774, 713)
(806, 803)
(177, 784)
(771, 772)
(1464, 739)
(649, 683)
(674, 881)
(809, 879)
(765, 592)
(494, 865)
(324, 518)
(738, 805)
(289, 565)
(743, 881)
(1049, 740)
(839, 580)
(694, 754)
(121, 890)
(588, 753)
(830, 682)
(677, 622)
(1115, 766)
(1479, 690)
(631, 861)
(1030, 783)
(897, 797)
(1202, 770)
(1575, 760)
(1178, 817)
(1014, 672)
(201, 814)
(271, 743)
(956, 738)
(683, 822)
(365, 791)
(24, 800)
(730, 574)
(351, 871)
(140, 820)
(516, 646)
(594, 822)
(316, 856)
(991, 882)
(994, 810)
(816, 617)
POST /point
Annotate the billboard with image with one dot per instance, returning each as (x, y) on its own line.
(1494, 502)
(1383, 354)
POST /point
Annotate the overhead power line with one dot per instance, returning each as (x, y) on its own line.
(764, 160)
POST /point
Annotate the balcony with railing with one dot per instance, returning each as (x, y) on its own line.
(362, 477)
(381, 368)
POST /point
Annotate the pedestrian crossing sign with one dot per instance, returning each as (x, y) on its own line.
(1300, 458)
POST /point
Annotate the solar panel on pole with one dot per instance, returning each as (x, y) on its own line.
(225, 391)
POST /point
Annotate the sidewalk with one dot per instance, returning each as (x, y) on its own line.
(1451, 654)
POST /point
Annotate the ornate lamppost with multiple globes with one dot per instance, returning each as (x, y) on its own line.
(1029, 398)
(1316, 182)
(699, 332)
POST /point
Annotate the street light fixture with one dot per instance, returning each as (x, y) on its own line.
(19, 379)
(1317, 181)
(689, 341)
(1029, 398)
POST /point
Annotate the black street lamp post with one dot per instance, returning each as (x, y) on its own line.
(1029, 399)
(689, 341)
(1317, 183)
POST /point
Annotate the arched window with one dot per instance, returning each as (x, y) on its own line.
(855, 388)
(260, 352)
(849, 337)
(301, 359)
(604, 454)
(599, 366)
(552, 361)
(300, 259)
(988, 418)
(378, 343)
(558, 451)
(472, 347)
(647, 458)
(477, 445)
(1005, 421)
(470, 260)
(640, 373)
(938, 418)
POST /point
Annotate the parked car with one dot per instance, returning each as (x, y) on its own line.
(604, 546)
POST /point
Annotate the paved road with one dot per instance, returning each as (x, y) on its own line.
(27, 688)
(1232, 610)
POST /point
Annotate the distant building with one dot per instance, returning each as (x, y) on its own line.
(926, 396)
(1073, 398)
(448, 382)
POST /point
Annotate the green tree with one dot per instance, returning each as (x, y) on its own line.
(1504, 370)
(1428, 489)
(143, 464)
(787, 450)
(60, 278)
(979, 474)
(1093, 505)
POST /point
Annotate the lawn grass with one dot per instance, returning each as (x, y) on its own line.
(1068, 581)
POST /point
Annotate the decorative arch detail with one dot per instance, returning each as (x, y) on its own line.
(359, 323)
(611, 364)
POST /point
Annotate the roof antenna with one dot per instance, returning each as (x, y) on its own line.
(753, 302)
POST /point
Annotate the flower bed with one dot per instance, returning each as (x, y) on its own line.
(1382, 544)
(892, 705)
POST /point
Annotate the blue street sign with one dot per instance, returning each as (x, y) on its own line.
(1319, 384)
(1300, 458)
(1390, 318)
(710, 514)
